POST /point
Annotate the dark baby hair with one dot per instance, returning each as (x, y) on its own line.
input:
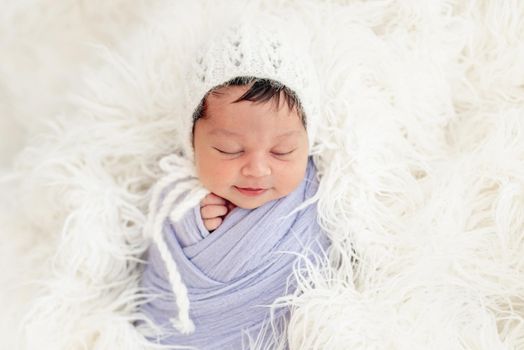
(262, 90)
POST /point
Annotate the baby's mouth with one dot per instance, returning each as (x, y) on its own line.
(251, 191)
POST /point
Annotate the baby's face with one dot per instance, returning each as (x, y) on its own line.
(245, 145)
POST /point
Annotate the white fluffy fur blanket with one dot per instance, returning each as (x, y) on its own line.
(422, 168)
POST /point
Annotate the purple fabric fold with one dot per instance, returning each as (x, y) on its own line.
(233, 272)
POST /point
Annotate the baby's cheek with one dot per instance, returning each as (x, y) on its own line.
(205, 176)
(291, 177)
(224, 178)
(215, 176)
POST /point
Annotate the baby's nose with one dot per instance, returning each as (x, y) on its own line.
(256, 166)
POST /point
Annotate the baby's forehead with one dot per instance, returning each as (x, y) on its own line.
(227, 132)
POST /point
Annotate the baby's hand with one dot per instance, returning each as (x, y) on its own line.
(213, 210)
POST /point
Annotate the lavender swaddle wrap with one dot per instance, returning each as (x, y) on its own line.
(232, 272)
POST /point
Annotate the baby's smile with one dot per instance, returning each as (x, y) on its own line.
(251, 192)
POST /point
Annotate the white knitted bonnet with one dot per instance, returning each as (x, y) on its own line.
(260, 50)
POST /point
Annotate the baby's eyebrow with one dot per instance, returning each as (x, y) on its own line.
(231, 133)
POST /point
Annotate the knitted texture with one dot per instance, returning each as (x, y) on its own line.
(177, 169)
(255, 49)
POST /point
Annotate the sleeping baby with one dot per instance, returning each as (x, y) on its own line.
(251, 146)
(237, 206)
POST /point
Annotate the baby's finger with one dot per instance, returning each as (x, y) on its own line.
(213, 211)
(212, 199)
(230, 206)
(212, 224)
